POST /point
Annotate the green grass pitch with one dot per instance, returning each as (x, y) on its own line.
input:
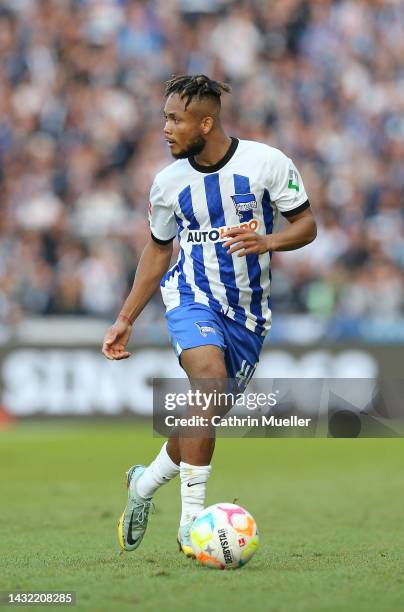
(330, 514)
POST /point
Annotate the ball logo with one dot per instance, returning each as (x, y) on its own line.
(241, 542)
(224, 543)
(218, 234)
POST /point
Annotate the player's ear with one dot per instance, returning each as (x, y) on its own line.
(206, 125)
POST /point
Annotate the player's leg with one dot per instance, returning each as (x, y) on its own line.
(206, 370)
(238, 362)
(203, 362)
(189, 326)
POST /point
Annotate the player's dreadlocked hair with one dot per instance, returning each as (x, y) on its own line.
(198, 85)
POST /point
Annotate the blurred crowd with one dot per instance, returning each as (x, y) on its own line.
(81, 84)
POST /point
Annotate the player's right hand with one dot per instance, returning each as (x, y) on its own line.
(116, 339)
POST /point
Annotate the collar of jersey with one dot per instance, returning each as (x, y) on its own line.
(222, 162)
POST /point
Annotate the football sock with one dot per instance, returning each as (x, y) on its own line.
(193, 489)
(160, 471)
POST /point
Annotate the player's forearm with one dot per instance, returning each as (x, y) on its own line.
(153, 264)
(294, 236)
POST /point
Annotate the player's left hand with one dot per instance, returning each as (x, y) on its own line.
(246, 241)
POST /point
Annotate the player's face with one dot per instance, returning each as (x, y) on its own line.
(183, 128)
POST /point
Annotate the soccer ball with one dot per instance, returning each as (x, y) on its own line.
(224, 536)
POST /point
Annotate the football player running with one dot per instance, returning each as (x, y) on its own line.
(220, 197)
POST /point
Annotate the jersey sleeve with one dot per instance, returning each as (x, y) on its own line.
(163, 225)
(286, 187)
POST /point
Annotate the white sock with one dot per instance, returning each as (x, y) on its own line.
(193, 489)
(159, 472)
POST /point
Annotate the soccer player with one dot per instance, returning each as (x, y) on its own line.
(221, 197)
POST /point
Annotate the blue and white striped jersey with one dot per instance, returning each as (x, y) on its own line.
(199, 203)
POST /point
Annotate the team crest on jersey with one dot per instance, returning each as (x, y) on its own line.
(244, 202)
(205, 328)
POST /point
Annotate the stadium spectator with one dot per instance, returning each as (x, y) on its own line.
(81, 86)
